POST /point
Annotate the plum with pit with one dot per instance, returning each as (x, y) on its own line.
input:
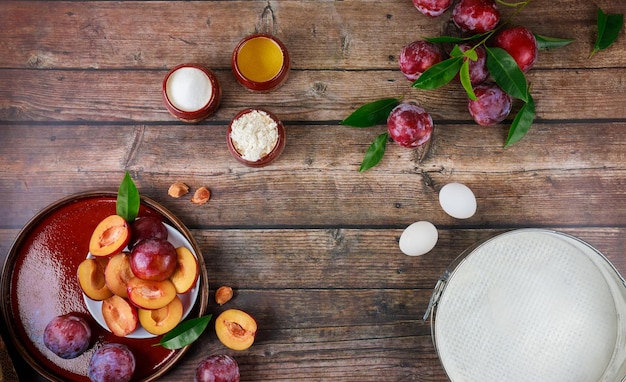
(153, 259)
(521, 44)
(91, 279)
(112, 363)
(476, 16)
(217, 368)
(110, 236)
(67, 336)
(409, 125)
(147, 227)
(236, 329)
(119, 315)
(186, 273)
(148, 294)
(492, 105)
(417, 57)
(161, 321)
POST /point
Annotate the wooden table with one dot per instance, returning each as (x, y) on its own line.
(309, 244)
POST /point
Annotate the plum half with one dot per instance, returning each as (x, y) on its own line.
(110, 236)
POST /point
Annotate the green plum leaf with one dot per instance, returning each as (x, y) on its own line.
(547, 43)
(522, 122)
(185, 333)
(375, 152)
(609, 26)
(507, 73)
(453, 40)
(456, 52)
(466, 81)
(128, 200)
(371, 114)
(439, 74)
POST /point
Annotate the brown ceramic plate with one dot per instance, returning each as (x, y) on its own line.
(39, 282)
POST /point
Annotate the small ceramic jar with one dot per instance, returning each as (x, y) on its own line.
(255, 137)
(191, 92)
(260, 62)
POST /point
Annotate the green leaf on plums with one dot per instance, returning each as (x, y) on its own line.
(375, 152)
(456, 52)
(507, 73)
(464, 74)
(185, 333)
(522, 122)
(609, 26)
(471, 54)
(128, 200)
(547, 43)
(371, 114)
(439, 74)
(454, 40)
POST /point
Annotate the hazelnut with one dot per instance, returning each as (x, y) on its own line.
(223, 294)
(178, 189)
(201, 195)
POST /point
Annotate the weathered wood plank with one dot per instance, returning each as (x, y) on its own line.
(314, 184)
(343, 258)
(319, 35)
(124, 96)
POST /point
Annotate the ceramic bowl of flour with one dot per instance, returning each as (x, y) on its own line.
(531, 305)
(255, 137)
(191, 92)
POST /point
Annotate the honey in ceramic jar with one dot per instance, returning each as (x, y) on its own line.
(260, 62)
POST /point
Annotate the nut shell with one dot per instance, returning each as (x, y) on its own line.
(223, 294)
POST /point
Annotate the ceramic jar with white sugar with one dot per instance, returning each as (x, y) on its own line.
(191, 92)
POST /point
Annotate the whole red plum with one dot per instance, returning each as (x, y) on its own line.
(521, 44)
(153, 259)
(492, 106)
(418, 56)
(112, 363)
(409, 125)
(147, 227)
(476, 16)
(67, 336)
(477, 69)
(432, 8)
(217, 368)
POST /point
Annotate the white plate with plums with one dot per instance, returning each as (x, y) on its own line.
(155, 279)
(41, 281)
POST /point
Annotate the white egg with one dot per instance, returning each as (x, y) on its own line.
(457, 200)
(418, 238)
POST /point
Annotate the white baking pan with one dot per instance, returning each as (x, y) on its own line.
(530, 305)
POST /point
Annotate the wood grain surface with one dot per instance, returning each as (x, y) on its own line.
(309, 244)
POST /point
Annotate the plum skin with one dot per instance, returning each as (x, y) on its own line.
(521, 44)
(217, 368)
(146, 227)
(432, 8)
(153, 259)
(476, 16)
(409, 125)
(492, 106)
(112, 363)
(67, 336)
(477, 69)
(417, 57)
